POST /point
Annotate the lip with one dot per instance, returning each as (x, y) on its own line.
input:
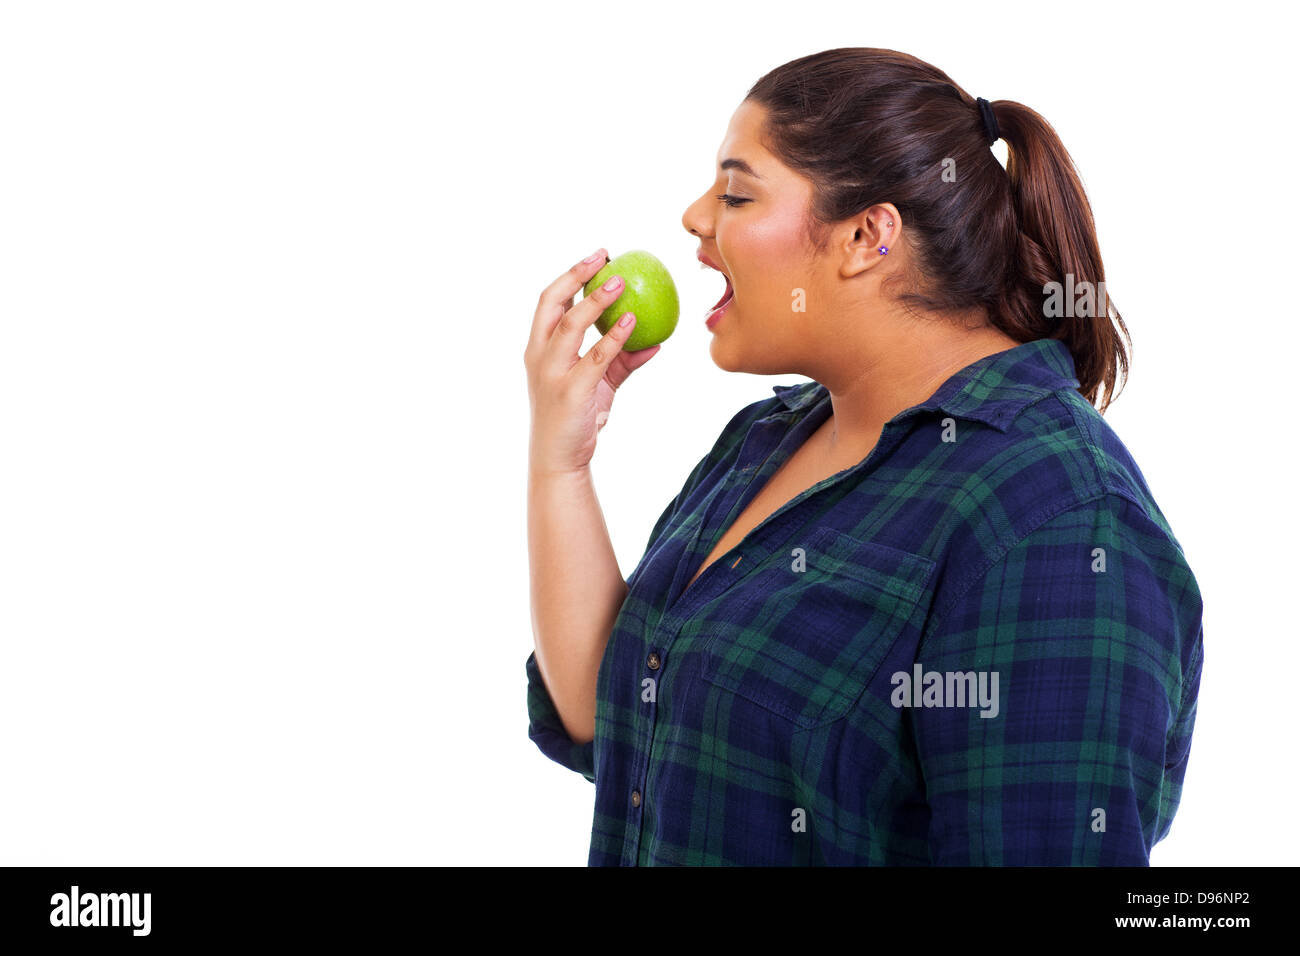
(716, 313)
(699, 254)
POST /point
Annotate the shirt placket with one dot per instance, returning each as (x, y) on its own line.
(768, 436)
(728, 569)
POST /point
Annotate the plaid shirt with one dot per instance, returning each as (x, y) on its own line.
(979, 645)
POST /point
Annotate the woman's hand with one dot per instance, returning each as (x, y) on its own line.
(571, 395)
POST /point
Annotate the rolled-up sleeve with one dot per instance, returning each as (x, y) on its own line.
(547, 731)
(1091, 625)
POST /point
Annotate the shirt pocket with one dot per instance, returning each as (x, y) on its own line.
(805, 644)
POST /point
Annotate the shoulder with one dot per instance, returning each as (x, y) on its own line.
(1058, 455)
(783, 404)
(1101, 470)
(1054, 486)
(713, 466)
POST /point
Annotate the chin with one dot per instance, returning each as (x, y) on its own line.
(729, 361)
(721, 357)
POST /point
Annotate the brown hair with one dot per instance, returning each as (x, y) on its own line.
(868, 126)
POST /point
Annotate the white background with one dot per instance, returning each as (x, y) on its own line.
(266, 275)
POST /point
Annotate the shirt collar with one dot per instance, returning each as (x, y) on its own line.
(993, 390)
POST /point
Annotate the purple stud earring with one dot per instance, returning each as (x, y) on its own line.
(884, 249)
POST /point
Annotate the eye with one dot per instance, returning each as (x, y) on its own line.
(732, 200)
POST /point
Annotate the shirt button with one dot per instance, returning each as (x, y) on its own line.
(653, 661)
(636, 798)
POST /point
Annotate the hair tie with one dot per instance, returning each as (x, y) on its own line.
(990, 121)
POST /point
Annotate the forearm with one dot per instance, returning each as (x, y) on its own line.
(577, 589)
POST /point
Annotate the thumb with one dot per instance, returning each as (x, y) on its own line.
(628, 362)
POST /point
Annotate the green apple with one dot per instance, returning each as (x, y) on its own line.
(648, 293)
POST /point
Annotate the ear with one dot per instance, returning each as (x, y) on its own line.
(879, 226)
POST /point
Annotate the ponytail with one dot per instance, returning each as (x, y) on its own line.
(1057, 282)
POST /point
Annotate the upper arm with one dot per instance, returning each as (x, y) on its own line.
(1091, 625)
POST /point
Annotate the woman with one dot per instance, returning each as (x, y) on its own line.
(922, 609)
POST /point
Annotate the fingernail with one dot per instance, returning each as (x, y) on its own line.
(612, 284)
(594, 256)
(626, 320)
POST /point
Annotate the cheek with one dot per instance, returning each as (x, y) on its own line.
(767, 257)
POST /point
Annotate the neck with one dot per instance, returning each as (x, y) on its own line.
(865, 398)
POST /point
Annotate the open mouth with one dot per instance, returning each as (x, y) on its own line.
(729, 293)
(726, 295)
(716, 313)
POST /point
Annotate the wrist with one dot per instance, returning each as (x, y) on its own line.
(540, 472)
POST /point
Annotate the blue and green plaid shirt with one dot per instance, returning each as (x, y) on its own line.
(979, 645)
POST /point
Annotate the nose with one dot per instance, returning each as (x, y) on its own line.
(696, 219)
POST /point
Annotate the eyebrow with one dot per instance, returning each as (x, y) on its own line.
(741, 165)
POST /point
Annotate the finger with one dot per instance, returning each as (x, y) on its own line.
(557, 298)
(627, 363)
(591, 368)
(561, 352)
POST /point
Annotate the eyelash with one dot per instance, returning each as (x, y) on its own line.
(731, 200)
